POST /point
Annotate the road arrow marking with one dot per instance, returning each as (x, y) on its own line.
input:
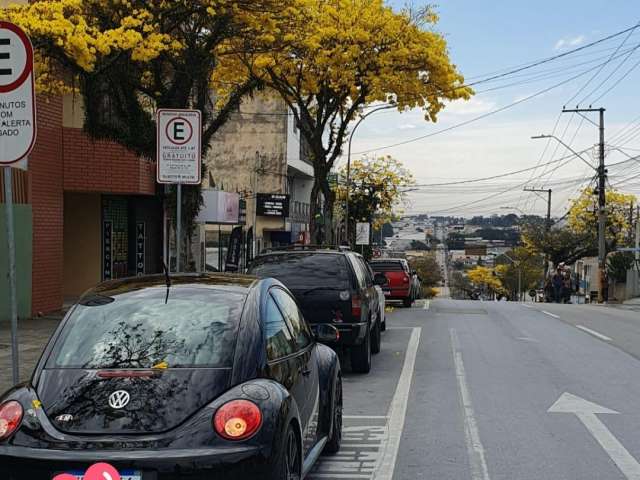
(587, 413)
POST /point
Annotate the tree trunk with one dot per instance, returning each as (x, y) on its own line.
(315, 222)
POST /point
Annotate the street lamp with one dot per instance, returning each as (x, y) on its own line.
(568, 147)
(360, 120)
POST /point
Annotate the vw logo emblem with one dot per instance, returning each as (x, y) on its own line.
(119, 399)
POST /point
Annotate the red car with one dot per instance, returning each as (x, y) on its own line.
(399, 275)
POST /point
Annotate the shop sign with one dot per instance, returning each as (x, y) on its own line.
(140, 243)
(219, 208)
(272, 205)
(242, 212)
(107, 250)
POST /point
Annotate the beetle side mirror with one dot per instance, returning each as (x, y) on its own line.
(327, 333)
(380, 279)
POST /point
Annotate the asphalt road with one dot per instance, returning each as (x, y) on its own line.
(463, 390)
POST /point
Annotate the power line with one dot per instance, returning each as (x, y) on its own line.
(493, 177)
(478, 118)
(602, 68)
(475, 202)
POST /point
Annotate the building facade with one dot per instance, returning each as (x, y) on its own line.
(86, 211)
(260, 151)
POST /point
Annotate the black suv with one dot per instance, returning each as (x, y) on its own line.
(332, 287)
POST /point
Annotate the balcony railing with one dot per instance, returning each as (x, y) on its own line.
(299, 212)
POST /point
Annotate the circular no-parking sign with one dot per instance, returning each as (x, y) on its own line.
(17, 97)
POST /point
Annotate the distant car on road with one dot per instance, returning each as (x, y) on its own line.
(333, 287)
(201, 376)
(400, 284)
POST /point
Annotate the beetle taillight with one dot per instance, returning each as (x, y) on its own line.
(10, 418)
(237, 420)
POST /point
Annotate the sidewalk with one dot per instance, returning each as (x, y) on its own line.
(33, 335)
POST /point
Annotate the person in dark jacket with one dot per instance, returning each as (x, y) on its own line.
(557, 283)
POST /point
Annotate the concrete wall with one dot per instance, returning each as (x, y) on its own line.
(249, 154)
(23, 241)
(82, 242)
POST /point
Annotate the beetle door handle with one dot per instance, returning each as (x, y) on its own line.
(305, 371)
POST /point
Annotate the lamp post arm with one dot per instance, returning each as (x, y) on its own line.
(568, 147)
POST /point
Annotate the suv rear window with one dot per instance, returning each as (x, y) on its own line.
(193, 327)
(304, 270)
(387, 267)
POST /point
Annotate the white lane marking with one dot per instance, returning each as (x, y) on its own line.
(366, 417)
(398, 410)
(550, 314)
(475, 449)
(586, 412)
(528, 306)
(594, 333)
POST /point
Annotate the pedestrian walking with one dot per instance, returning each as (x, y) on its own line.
(557, 282)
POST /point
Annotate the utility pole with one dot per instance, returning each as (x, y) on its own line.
(602, 202)
(548, 222)
(637, 236)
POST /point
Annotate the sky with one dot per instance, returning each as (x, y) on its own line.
(485, 37)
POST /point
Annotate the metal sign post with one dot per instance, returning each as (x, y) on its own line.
(18, 133)
(8, 202)
(179, 228)
(179, 160)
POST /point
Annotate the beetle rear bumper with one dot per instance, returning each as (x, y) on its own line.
(230, 463)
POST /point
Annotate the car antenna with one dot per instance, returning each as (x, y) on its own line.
(167, 279)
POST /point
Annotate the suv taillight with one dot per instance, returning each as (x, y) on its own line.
(356, 306)
(10, 418)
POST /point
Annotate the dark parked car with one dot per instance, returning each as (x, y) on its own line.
(400, 286)
(209, 376)
(332, 287)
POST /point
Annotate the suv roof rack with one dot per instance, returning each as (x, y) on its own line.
(300, 247)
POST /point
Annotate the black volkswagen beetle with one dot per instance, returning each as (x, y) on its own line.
(203, 376)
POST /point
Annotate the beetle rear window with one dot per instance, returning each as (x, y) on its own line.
(192, 327)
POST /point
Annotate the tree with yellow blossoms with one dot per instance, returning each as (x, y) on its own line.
(487, 280)
(126, 58)
(330, 58)
(579, 237)
(378, 185)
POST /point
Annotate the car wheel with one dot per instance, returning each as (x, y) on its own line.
(376, 338)
(289, 465)
(407, 302)
(383, 325)
(361, 355)
(334, 442)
